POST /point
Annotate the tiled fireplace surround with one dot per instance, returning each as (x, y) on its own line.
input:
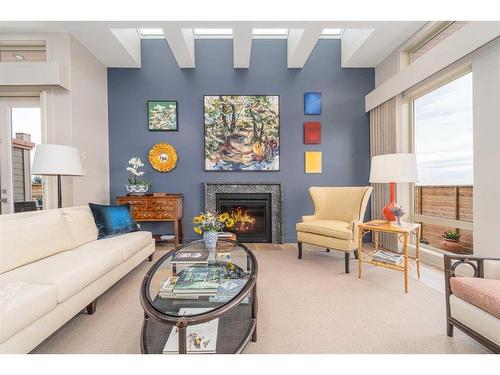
(273, 188)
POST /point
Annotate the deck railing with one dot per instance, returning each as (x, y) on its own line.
(442, 208)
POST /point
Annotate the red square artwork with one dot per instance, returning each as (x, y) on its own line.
(312, 133)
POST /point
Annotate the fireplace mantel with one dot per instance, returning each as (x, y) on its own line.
(273, 188)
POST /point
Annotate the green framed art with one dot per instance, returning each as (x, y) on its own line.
(162, 115)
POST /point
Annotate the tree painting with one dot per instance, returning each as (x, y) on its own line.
(242, 133)
(162, 115)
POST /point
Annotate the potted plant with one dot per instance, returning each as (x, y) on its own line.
(450, 241)
(136, 186)
(210, 224)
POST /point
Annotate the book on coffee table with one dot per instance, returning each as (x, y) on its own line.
(200, 338)
(190, 257)
(199, 280)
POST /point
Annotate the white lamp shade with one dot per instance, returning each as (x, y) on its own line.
(397, 168)
(52, 160)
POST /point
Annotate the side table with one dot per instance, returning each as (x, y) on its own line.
(403, 233)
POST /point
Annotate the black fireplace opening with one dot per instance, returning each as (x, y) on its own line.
(252, 213)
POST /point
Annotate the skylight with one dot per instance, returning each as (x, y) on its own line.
(270, 33)
(332, 33)
(213, 33)
(151, 33)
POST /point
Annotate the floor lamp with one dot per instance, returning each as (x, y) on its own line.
(57, 160)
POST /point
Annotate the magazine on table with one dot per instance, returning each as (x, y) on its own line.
(385, 257)
(228, 289)
(199, 279)
(190, 257)
(200, 338)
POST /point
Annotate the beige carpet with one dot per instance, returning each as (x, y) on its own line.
(307, 306)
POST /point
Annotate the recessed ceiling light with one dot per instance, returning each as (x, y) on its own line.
(151, 32)
(18, 56)
(213, 33)
(270, 32)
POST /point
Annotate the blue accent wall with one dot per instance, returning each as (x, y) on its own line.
(344, 123)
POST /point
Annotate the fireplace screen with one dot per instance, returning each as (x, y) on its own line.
(251, 212)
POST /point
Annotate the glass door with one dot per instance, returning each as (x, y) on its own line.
(20, 132)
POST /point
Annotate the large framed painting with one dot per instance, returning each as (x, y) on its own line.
(242, 132)
(162, 115)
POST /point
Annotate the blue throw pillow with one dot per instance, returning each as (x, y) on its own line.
(113, 220)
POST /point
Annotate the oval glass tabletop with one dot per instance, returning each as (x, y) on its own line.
(192, 280)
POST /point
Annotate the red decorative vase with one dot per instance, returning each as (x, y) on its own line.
(387, 210)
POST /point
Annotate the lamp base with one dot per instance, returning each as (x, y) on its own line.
(388, 210)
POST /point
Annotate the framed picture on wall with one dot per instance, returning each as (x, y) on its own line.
(312, 103)
(162, 115)
(242, 133)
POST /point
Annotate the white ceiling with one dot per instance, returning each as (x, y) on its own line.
(117, 43)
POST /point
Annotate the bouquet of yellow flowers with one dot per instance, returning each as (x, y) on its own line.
(212, 222)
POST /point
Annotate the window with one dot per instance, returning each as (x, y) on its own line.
(151, 33)
(331, 33)
(442, 123)
(213, 33)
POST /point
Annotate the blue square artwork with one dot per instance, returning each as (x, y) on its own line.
(312, 103)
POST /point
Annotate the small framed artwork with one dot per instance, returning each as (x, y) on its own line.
(312, 133)
(313, 162)
(162, 115)
(312, 103)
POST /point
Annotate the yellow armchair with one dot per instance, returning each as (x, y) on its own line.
(337, 211)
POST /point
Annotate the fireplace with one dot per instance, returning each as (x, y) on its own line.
(252, 213)
(258, 204)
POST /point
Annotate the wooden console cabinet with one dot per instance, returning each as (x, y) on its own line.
(157, 208)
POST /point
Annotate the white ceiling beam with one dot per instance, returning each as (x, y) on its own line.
(181, 43)
(242, 46)
(300, 44)
(364, 48)
(120, 48)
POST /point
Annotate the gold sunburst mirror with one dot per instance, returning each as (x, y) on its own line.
(163, 157)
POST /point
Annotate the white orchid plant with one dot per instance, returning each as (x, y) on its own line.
(135, 164)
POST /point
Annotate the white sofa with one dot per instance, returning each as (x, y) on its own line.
(52, 266)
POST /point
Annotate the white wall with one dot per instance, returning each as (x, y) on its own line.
(486, 99)
(89, 102)
(76, 116)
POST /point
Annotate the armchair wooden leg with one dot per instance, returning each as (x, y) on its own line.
(347, 256)
(150, 258)
(356, 254)
(91, 307)
(300, 249)
(327, 250)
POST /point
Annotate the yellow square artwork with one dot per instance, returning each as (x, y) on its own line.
(313, 163)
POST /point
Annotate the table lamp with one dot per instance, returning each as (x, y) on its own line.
(57, 160)
(393, 169)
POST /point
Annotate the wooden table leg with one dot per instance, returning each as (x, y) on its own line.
(176, 232)
(375, 236)
(405, 254)
(417, 251)
(181, 231)
(360, 251)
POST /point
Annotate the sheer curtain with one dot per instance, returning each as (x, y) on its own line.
(383, 140)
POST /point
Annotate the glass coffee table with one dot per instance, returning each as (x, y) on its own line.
(200, 301)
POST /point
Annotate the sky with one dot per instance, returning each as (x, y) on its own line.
(27, 120)
(443, 134)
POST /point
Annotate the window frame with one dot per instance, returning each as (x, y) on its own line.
(409, 101)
